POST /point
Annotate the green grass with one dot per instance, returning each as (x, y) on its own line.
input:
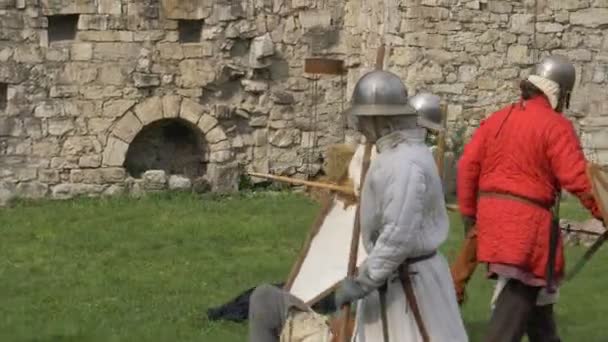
(146, 270)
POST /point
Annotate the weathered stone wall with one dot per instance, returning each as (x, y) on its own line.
(74, 107)
(474, 52)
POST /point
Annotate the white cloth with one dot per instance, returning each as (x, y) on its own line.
(548, 87)
(544, 297)
(403, 210)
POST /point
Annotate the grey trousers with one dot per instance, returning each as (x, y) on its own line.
(268, 310)
(516, 314)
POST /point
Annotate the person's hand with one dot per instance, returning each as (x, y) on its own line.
(468, 222)
(349, 291)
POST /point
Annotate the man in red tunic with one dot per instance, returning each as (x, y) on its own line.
(516, 163)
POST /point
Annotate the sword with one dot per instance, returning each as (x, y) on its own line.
(553, 241)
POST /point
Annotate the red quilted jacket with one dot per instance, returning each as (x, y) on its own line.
(526, 149)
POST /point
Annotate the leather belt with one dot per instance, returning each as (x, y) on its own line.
(518, 198)
(414, 260)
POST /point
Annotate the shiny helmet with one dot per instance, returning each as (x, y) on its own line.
(380, 93)
(428, 107)
(561, 71)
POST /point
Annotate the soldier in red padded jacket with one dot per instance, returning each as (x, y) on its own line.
(516, 163)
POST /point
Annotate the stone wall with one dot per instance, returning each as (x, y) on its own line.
(73, 107)
(474, 52)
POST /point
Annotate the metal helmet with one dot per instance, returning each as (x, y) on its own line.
(428, 107)
(557, 69)
(380, 93)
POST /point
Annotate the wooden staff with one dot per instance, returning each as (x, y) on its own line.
(322, 185)
(354, 243)
(440, 157)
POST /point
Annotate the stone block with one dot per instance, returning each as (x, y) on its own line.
(178, 182)
(150, 110)
(111, 74)
(519, 54)
(25, 174)
(93, 160)
(34, 190)
(117, 108)
(82, 51)
(127, 127)
(427, 12)
(224, 178)
(260, 48)
(575, 55)
(154, 180)
(79, 145)
(285, 138)
(256, 87)
(7, 193)
(196, 73)
(568, 4)
(592, 17)
(63, 91)
(99, 125)
(115, 152)
(78, 73)
(207, 123)
(48, 176)
(48, 147)
(198, 50)
(114, 190)
(215, 135)
(170, 51)
(115, 51)
(54, 7)
(60, 127)
(64, 162)
(145, 80)
(315, 18)
(113, 174)
(171, 106)
(187, 9)
(109, 7)
(282, 98)
(57, 54)
(549, 27)
(191, 111)
(70, 190)
(423, 39)
(522, 23)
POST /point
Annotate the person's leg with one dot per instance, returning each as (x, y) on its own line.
(512, 312)
(541, 326)
(268, 309)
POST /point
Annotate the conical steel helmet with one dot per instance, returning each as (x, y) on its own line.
(380, 93)
(557, 69)
(428, 107)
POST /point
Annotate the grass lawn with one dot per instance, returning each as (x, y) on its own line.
(146, 270)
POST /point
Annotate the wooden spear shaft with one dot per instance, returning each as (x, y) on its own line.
(342, 189)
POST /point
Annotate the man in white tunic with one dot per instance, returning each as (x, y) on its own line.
(403, 222)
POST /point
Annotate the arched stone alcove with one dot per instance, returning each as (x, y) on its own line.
(168, 133)
(172, 145)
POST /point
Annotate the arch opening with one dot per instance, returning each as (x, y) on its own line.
(172, 145)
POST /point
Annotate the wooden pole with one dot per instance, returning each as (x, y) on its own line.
(441, 140)
(342, 189)
(354, 245)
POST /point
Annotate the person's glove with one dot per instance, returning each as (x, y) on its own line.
(468, 222)
(349, 291)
